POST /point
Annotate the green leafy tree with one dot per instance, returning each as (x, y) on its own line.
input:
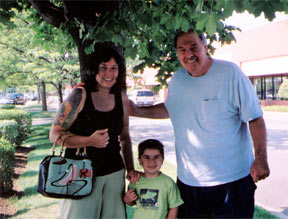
(34, 53)
(283, 90)
(145, 28)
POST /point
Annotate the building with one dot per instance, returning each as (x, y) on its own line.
(262, 54)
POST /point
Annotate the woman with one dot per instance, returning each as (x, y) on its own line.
(97, 114)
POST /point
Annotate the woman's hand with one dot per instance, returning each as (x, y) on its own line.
(130, 197)
(133, 176)
(99, 138)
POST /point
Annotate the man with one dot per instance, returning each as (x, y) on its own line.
(210, 103)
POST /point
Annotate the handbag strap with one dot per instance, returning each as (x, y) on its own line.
(66, 136)
(64, 139)
(55, 143)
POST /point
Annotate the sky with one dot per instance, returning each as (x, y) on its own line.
(246, 21)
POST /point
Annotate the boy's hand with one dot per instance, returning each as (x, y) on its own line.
(133, 176)
(130, 197)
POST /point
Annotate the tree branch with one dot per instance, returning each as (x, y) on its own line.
(51, 13)
(23, 52)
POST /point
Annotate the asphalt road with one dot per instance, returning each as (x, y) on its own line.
(272, 193)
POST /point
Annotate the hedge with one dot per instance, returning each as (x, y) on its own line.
(7, 106)
(9, 130)
(7, 162)
(24, 120)
(283, 90)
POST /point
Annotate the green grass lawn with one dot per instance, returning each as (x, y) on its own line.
(34, 205)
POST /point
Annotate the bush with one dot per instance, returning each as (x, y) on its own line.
(274, 108)
(283, 90)
(7, 161)
(9, 130)
(24, 120)
(7, 106)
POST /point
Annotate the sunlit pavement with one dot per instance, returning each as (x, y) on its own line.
(272, 193)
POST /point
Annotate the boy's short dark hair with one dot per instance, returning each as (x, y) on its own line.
(150, 144)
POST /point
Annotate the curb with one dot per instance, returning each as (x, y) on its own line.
(272, 210)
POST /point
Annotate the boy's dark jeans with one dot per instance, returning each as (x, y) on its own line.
(231, 200)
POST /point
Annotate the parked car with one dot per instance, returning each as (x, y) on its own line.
(20, 99)
(15, 98)
(31, 97)
(142, 97)
(8, 99)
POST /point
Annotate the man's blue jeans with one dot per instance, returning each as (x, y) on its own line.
(231, 200)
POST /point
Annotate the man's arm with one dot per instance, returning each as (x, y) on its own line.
(157, 111)
(260, 168)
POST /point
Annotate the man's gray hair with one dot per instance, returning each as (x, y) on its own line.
(180, 33)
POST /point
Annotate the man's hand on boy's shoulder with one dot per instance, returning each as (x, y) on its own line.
(133, 176)
(130, 197)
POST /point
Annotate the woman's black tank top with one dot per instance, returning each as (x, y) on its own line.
(104, 160)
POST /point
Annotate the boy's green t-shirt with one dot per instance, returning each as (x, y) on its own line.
(156, 196)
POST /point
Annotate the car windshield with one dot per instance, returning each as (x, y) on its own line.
(11, 96)
(145, 93)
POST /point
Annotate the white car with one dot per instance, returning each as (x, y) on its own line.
(13, 98)
(142, 97)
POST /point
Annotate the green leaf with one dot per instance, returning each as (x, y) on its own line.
(211, 24)
(89, 49)
(130, 52)
(82, 27)
(201, 22)
(164, 19)
(185, 25)
(143, 51)
(178, 21)
(128, 42)
(225, 6)
(207, 23)
(199, 7)
(117, 40)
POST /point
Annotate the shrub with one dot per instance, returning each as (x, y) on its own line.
(7, 161)
(7, 106)
(9, 130)
(274, 108)
(24, 120)
(283, 90)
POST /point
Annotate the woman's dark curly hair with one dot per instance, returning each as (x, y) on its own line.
(103, 53)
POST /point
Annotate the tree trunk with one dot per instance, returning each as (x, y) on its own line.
(43, 96)
(39, 92)
(84, 11)
(60, 94)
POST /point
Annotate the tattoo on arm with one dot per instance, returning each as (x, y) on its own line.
(68, 109)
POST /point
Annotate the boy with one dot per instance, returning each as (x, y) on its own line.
(157, 195)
